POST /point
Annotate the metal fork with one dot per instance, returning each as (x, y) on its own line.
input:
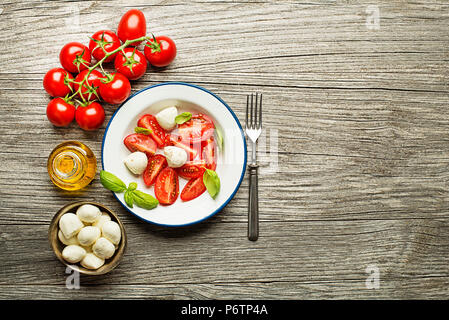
(253, 128)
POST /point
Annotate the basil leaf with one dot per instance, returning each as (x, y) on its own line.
(144, 200)
(111, 182)
(219, 139)
(142, 130)
(183, 117)
(132, 186)
(212, 182)
(129, 199)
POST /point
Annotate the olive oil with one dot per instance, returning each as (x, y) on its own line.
(71, 165)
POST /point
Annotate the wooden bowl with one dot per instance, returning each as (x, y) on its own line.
(58, 246)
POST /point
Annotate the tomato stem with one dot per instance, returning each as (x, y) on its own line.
(84, 83)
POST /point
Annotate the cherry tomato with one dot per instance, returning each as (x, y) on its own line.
(155, 164)
(60, 112)
(56, 82)
(209, 153)
(133, 66)
(90, 117)
(90, 92)
(193, 189)
(106, 39)
(116, 89)
(166, 188)
(149, 121)
(140, 142)
(75, 57)
(160, 53)
(132, 25)
(199, 128)
(177, 141)
(192, 169)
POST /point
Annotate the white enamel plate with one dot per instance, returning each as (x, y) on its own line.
(231, 162)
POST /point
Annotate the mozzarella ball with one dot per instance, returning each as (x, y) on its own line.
(70, 225)
(102, 219)
(111, 231)
(73, 253)
(91, 261)
(176, 157)
(69, 241)
(166, 118)
(103, 248)
(88, 213)
(88, 235)
(136, 162)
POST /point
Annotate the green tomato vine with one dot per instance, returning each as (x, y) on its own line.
(85, 84)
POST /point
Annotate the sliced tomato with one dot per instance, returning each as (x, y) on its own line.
(209, 153)
(193, 189)
(199, 128)
(140, 142)
(166, 188)
(149, 121)
(175, 140)
(192, 169)
(155, 164)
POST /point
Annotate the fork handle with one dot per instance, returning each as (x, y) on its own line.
(253, 207)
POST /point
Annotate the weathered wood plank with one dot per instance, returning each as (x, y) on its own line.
(417, 288)
(277, 261)
(390, 156)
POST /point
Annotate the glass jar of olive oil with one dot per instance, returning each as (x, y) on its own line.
(71, 165)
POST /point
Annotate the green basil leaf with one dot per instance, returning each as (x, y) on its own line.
(111, 182)
(144, 200)
(129, 199)
(183, 117)
(219, 139)
(132, 186)
(212, 182)
(142, 130)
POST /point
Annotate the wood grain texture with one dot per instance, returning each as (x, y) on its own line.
(361, 122)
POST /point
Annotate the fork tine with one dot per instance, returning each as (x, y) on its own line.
(255, 111)
(251, 115)
(260, 113)
(247, 109)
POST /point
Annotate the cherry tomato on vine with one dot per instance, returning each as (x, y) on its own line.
(115, 89)
(90, 117)
(132, 25)
(75, 57)
(57, 82)
(90, 92)
(60, 112)
(160, 51)
(133, 66)
(106, 39)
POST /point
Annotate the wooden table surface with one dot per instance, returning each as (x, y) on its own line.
(357, 111)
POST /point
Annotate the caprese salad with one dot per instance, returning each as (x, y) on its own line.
(170, 145)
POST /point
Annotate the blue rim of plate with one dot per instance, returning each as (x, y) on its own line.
(238, 124)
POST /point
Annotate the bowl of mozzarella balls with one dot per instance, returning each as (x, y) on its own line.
(87, 237)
